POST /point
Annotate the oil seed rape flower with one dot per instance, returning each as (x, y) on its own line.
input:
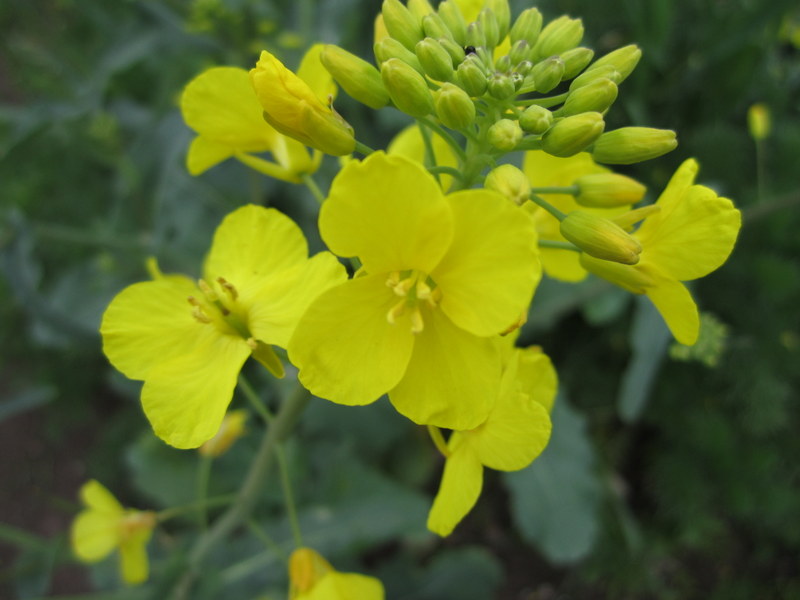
(441, 275)
(105, 525)
(189, 341)
(298, 109)
(221, 106)
(514, 434)
(311, 577)
(691, 234)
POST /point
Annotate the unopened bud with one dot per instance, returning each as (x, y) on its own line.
(536, 119)
(608, 190)
(600, 237)
(509, 181)
(624, 60)
(573, 134)
(501, 86)
(454, 19)
(471, 77)
(547, 74)
(491, 29)
(594, 97)
(635, 281)
(419, 8)
(454, 107)
(527, 26)
(629, 145)
(505, 135)
(520, 51)
(306, 569)
(359, 78)
(231, 429)
(558, 36)
(502, 14)
(455, 51)
(503, 64)
(575, 61)
(401, 24)
(523, 68)
(475, 35)
(407, 88)
(435, 60)
(758, 121)
(433, 26)
(391, 48)
(587, 77)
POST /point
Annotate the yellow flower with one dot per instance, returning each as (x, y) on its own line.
(441, 275)
(311, 577)
(232, 429)
(514, 434)
(105, 525)
(544, 170)
(409, 143)
(221, 106)
(302, 108)
(691, 234)
(188, 341)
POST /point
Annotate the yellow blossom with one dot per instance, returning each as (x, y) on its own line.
(441, 275)
(311, 577)
(690, 233)
(104, 525)
(232, 429)
(189, 340)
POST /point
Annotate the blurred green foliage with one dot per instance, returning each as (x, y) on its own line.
(664, 479)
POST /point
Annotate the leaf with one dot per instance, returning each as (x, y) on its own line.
(554, 501)
(460, 574)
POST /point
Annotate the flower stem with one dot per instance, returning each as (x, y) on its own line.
(445, 136)
(254, 400)
(203, 475)
(363, 148)
(313, 188)
(548, 207)
(558, 245)
(288, 497)
(176, 511)
(572, 189)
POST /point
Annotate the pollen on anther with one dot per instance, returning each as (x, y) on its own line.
(228, 287)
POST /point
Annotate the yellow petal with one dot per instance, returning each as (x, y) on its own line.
(295, 157)
(148, 323)
(409, 143)
(346, 350)
(134, 564)
(345, 586)
(489, 273)
(388, 211)
(564, 265)
(470, 9)
(94, 534)
(678, 185)
(461, 485)
(268, 168)
(314, 73)
(185, 398)
(97, 497)
(545, 170)
(278, 305)
(205, 153)
(678, 309)
(453, 377)
(536, 376)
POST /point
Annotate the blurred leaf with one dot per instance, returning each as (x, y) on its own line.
(554, 501)
(26, 399)
(606, 306)
(460, 574)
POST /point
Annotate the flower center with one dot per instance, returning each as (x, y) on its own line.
(218, 306)
(415, 289)
(135, 521)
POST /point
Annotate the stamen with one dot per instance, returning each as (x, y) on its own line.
(228, 287)
(252, 343)
(417, 324)
(210, 294)
(199, 315)
(396, 311)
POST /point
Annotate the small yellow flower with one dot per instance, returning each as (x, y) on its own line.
(188, 341)
(514, 434)
(690, 234)
(311, 577)
(105, 525)
(232, 429)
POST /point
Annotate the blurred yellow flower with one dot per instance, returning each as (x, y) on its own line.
(232, 429)
(311, 577)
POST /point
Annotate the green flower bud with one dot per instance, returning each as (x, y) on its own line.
(454, 107)
(433, 26)
(455, 51)
(524, 68)
(559, 36)
(629, 145)
(504, 135)
(419, 8)
(547, 74)
(596, 96)
(454, 19)
(608, 190)
(536, 119)
(472, 77)
(600, 238)
(475, 35)
(359, 78)
(407, 88)
(527, 27)
(401, 24)
(759, 121)
(571, 135)
(435, 60)
(487, 58)
(501, 86)
(391, 48)
(575, 61)
(520, 51)
(502, 13)
(587, 77)
(503, 64)
(624, 60)
(491, 30)
(509, 181)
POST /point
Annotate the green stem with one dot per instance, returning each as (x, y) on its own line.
(438, 440)
(572, 190)
(252, 397)
(203, 475)
(557, 245)
(313, 187)
(177, 511)
(544, 102)
(548, 207)
(445, 136)
(447, 170)
(363, 148)
(288, 497)
(430, 157)
(262, 535)
(760, 170)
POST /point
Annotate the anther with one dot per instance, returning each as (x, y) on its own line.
(198, 314)
(210, 294)
(252, 343)
(228, 287)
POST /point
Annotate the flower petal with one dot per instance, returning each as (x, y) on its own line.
(134, 564)
(492, 266)
(314, 73)
(149, 323)
(388, 211)
(453, 378)
(94, 534)
(564, 265)
(205, 153)
(185, 398)
(536, 376)
(677, 307)
(409, 143)
(345, 586)
(346, 350)
(96, 496)
(459, 490)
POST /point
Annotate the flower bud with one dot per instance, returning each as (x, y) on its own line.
(505, 135)
(608, 190)
(501, 86)
(433, 26)
(407, 88)
(758, 121)
(454, 107)
(573, 134)
(636, 281)
(558, 36)
(520, 51)
(575, 61)
(509, 181)
(594, 97)
(391, 48)
(503, 64)
(359, 78)
(471, 77)
(491, 30)
(475, 35)
(547, 74)
(527, 27)
(629, 145)
(454, 19)
(306, 568)
(455, 51)
(231, 429)
(435, 60)
(419, 8)
(600, 237)
(536, 119)
(588, 76)
(502, 14)
(624, 60)
(523, 68)
(401, 24)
